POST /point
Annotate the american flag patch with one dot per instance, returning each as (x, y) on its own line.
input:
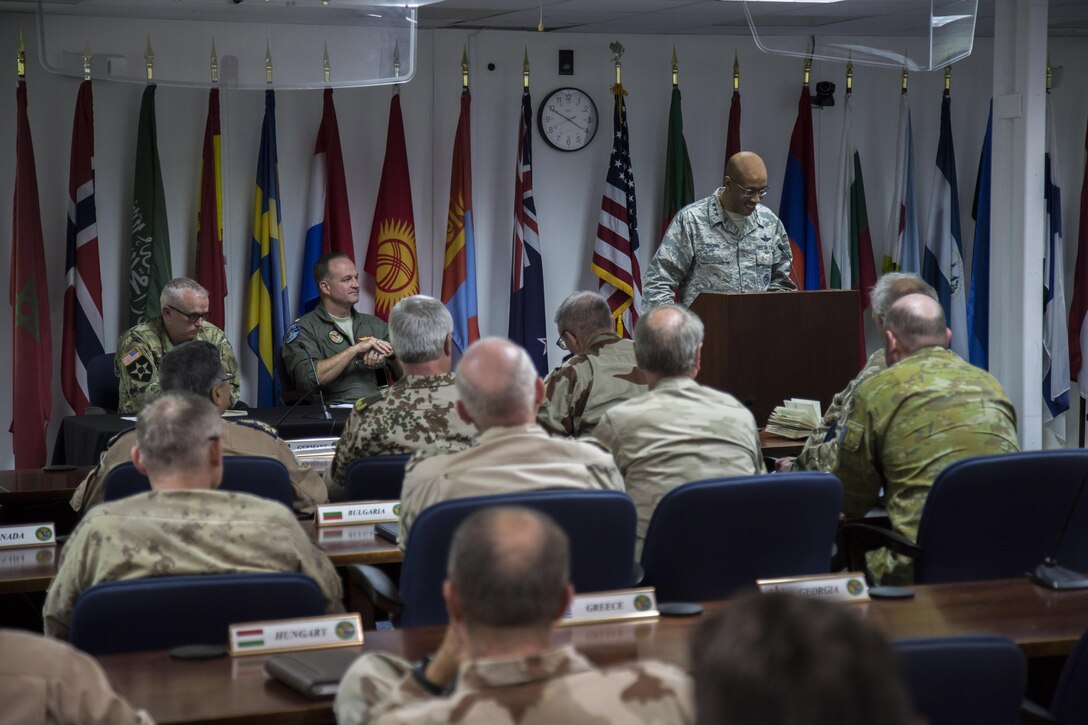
(131, 356)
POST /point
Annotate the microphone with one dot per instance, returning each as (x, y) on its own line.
(1049, 574)
(325, 414)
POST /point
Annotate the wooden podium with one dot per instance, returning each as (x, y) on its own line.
(766, 347)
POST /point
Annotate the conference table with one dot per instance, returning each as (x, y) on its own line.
(1041, 622)
(40, 485)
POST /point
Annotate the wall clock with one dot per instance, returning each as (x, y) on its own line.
(567, 119)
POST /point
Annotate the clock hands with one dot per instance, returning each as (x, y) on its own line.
(572, 121)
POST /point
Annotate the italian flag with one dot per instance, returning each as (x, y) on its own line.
(249, 638)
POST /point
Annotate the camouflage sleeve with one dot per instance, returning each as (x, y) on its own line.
(71, 579)
(356, 441)
(309, 490)
(376, 683)
(783, 260)
(605, 435)
(557, 414)
(230, 364)
(855, 461)
(84, 695)
(138, 373)
(313, 563)
(299, 348)
(669, 266)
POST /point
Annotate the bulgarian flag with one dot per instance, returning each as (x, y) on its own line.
(852, 265)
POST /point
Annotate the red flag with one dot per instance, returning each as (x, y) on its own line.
(732, 134)
(32, 341)
(459, 267)
(798, 210)
(1079, 308)
(391, 253)
(209, 235)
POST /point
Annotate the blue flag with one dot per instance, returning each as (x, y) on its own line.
(978, 299)
(1055, 332)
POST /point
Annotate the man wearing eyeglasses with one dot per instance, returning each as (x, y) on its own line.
(140, 348)
(728, 242)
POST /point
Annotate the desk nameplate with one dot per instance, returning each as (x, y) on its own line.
(294, 635)
(14, 537)
(848, 587)
(612, 606)
(357, 512)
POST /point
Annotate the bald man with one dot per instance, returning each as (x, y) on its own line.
(728, 242)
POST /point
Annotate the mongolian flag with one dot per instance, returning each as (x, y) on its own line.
(679, 186)
(798, 210)
(210, 272)
(459, 265)
(150, 249)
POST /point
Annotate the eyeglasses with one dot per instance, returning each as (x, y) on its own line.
(561, 343)
(192, 317)
(752, 193)
(227, 377)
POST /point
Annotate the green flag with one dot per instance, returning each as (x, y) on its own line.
(679, 187)
(150, 257)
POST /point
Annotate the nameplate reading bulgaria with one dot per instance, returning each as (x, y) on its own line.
(611, 606)
(27, 535)
(848, 587)
(291, 635)
(357, 512)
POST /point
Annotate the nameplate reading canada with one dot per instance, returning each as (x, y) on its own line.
(27, 535)
(292, 635)
(849, 587)
(358, 512)
(611, 606)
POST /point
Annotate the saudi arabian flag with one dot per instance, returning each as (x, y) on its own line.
(150, 255)
(679, 187)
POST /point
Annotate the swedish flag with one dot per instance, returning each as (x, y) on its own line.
(268, 303)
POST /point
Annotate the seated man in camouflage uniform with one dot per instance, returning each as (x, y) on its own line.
(194, 367)
(418, 410)
(507, 585)
(140, 348)
(600, 373)
(183, 525)
(928, 410)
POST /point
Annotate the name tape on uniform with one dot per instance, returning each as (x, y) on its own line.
(848, 587)
(27, 535)
(290, 635)
(357, 512)
(609, 606)
(345, 534)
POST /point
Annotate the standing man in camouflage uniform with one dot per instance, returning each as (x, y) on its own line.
(183, 525)
(600, 372)
(928, 410)
(342, 345)
(140, 348)
(728, 242)
(680, 431)
(507, 585)
(418, 410)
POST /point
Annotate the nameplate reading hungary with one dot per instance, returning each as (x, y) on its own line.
(848, 587)
(292, 635)
(357, 512)
(611, 606)
(27, 535)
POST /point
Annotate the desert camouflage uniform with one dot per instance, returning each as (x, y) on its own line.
(677, 433)
(580, 390)
(178, 532)
(910, 422)
(504, 460)
(557, 686)
(416, 412)
(704, 251)
(143, 346)
(316, 336)
(819, 451)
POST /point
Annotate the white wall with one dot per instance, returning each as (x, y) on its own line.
(568, 186)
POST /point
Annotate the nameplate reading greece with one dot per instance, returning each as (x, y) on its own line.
(611, 606)
(27, 535)
(848, 587)
(292, 635)
(357, 512)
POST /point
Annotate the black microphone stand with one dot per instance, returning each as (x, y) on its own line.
(1049, 574)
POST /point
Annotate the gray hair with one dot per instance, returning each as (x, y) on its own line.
(173, 431)
(171, 293)
(418, 328)
(584, 314)
(666, 340)
(916, 323)
(507, 394)
(191, 367)
(893, 286)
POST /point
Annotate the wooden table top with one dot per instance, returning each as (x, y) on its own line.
(777, 446)
(38, 485)
(1041, 622)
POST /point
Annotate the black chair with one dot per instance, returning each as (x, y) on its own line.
(257, 475)
(707, 539)
(375, 478)
(1069, 705)
(132, 615)
(103, 383)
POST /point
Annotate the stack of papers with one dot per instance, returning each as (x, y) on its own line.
(795, 418)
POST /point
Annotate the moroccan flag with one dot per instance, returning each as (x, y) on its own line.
(1055, 335)
(1078, 330)
(459, 264)
(798, 210)
(329, 228)
(268, 303)
(904, 245)
(150, 255)
(978, 296)
(391, 253)
(32, 341)
(210, 272)
(852, 265)
(82, 340)
(732, 132)
(679, 187)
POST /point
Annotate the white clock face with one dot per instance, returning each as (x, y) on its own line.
(568, 119)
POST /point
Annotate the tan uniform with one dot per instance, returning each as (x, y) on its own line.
(416, 412)
(505, 460)
(47, 682)
(557, 686)
(677, 433)
(240, 438)
(178, 532)
(580, 390)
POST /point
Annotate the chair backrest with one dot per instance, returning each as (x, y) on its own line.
(102, 382)
(375, 478)
(706, 539)
(994, 517)
(163, 612)
(1070, 702)
(599, 524)
(973, 679)
(258, 475)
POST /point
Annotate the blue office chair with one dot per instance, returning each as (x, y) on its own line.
(992, 517)
(102, 383)
(1069, 705)
(956, 680)
(257, 475)
(599, 524)
(707, 539)
(375, 478)
(132, 615)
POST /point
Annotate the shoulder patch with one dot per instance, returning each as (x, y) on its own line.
(852, 434)
(363, 403)
(258, 425)
(131, 356)
(292, 333)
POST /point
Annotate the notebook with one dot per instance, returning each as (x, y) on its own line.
(389, 531)
(316, 674)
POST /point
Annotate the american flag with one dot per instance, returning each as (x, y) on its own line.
(615, 254)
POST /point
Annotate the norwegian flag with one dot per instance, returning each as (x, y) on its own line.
(615, 253)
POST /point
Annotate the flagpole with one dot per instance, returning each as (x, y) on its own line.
(213, 66)
(149, 60)
(525, 70)
(87, 62)
(675, 69)
(267, 63)
(326, 67)
(736, 72)
(21, 58)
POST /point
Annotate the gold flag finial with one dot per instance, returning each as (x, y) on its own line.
(540, 22)
(464, 68)
(326, 68)
(849, 77)
(525, 70)
(213, 65)
(675, 69)
(736, 72)
(87, 62)
(267, 62)
(1049, 76)
(947, 80)
(617, 51)
(906, 77)
(21, 57)
(808, 68)
(149, 60)
(396, 58)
